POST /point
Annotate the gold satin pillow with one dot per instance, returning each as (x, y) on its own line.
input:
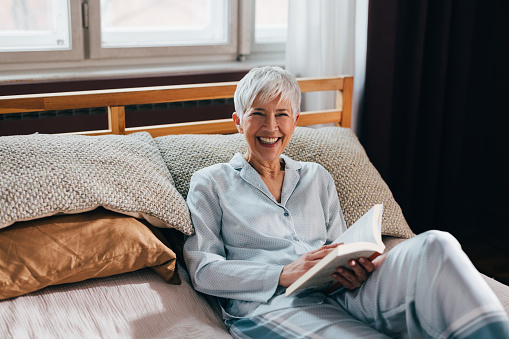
(70, 248)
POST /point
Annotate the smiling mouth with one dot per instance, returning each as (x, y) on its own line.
(268, 141)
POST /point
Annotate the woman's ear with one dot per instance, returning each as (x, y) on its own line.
(296, 119)
(236, 120)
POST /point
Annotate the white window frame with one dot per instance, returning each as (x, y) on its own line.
(247, 45)
(98, 52)
(76, 51)
(88, 60)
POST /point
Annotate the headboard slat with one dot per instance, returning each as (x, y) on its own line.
(117, 99)
(226, 126)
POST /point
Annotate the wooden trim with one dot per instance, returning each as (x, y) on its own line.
(117, 99)
(226, 126)
(347, 102)
(218, 126)
(13, 104)
(321, 84)
(320, 117)
(89, 133)
(145, 95)
(116, 119)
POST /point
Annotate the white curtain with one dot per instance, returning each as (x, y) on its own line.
(327, 38)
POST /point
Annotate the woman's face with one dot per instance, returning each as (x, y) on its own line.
(267, 127)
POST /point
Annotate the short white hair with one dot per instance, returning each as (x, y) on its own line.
(266, 84)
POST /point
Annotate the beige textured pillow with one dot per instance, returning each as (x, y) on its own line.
(43, 175)
(185, 154)
(70, 248)
(358, 183)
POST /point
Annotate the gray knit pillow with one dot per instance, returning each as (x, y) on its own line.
(358, 183)
(43, 175)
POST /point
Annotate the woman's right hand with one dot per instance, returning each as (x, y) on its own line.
(296, 269)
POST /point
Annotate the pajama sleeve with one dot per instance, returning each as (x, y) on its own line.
(336, 222)
(206, 257)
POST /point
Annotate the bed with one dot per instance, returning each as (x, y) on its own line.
(92, 223)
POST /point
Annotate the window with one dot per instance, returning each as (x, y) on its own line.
(271, 19)
(32, 30)
(164, 23)
(35, 25)
(161, 28)
(263, 27)
(98, 32)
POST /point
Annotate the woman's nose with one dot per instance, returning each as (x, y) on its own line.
(271, 122)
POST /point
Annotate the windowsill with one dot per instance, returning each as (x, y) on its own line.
(104, 69)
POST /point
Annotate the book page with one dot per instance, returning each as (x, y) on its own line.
(362, 239)
(366, 228)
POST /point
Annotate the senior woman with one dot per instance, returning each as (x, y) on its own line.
(263, 219)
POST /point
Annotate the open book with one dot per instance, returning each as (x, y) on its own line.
(362, 239)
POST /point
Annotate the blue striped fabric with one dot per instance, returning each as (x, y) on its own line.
(424, 287)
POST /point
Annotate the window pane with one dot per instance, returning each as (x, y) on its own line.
(138, 23)
(271, 20)
(34, 25)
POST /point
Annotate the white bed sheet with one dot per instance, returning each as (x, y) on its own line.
(132, 305)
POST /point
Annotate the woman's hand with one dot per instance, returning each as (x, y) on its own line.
(349, 278)
(355, 276)
(296, 269)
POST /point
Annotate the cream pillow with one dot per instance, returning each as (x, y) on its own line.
(43, 175)
(185, 154)
(358, 183)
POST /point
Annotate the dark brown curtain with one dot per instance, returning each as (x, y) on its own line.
(435, 114)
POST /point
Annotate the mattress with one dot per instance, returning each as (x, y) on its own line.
(132, 305)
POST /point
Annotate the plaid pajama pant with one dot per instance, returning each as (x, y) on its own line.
(425, 287)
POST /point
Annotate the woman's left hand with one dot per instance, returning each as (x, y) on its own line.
(357, 274)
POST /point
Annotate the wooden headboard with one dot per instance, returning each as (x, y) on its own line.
(117, 99)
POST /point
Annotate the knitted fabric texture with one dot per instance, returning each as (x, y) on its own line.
(187, 153)
(43, 175)
(358, 183)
